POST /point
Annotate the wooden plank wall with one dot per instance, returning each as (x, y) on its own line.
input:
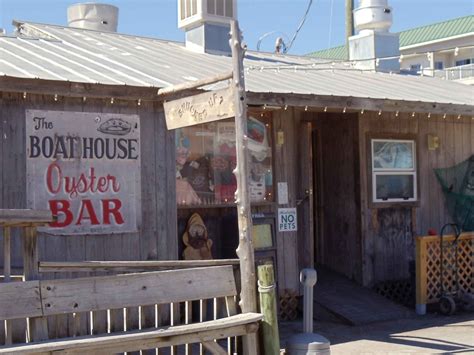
(285, 170)
(388, 234)
(339, 181)
(156, 239)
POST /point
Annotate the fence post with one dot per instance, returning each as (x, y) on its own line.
(6, 277)
(268, 307)
(421, 281)
(39, 325)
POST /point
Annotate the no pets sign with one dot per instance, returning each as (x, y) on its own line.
(287, 220)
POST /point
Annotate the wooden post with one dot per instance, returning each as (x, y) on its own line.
(268, 307)
(248, 295)
(6, 276)
(38, 326)
(349, 22)
(421, 277)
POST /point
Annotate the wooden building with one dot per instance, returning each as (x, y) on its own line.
(315, 130)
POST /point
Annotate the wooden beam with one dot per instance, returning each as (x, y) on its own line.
(194, 84)
(129, 266)
(38, 325)
(245, 250)
(354, 103)
(214, 348)
(20, 300)
(6, 277)
(145, 339)
(25, 217)
(133, 290)
(71, 89)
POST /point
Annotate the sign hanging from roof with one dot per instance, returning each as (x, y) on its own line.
(207, 107)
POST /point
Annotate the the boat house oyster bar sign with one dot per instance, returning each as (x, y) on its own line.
(85, 168)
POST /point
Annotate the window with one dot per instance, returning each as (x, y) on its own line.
(439, 65)
(463, 62)
(206, 158)
(415, 67)
(393, 170)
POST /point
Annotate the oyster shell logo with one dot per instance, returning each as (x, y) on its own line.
(115, 126)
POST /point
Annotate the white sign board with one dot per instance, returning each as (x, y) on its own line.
(282, 193)
(207, 107)
(85, 168)
(287, 220)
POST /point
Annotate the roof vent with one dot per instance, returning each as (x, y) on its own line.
(93, 16)
(207, 24)
(374, 48)
(373, 15)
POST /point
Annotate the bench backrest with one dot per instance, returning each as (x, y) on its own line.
(52, 297)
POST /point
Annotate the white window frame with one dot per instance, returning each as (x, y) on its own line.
(394, 171)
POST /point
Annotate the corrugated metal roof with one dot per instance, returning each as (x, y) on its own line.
(85, 56)
(436, 31)
(440, 30)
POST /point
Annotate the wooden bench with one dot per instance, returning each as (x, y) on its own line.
(43, 298)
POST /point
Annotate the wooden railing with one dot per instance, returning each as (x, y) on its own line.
(428, 270)
(132, 318)
(39, 326)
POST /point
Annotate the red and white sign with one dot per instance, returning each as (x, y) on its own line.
(85, 168)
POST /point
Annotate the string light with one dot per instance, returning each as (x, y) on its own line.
(459, 117)
(24, 95)
(55, 97)
(306, 108)
(344, 110)
(325, 109)
(112, 100)
(139, 103)
(286, 107)
(362, 111)
(265, 106)
(397, 113)
(413, 114)
(444, 116)
(84, 99)
(429, 115)
(380, 112)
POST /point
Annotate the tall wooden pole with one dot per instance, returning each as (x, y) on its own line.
(349, 22)
(245, 251)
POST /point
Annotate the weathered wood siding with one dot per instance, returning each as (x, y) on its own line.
(156, 238)
(388, 234)
(286, 167)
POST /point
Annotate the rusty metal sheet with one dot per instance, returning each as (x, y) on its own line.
(207, 107)
(84, 167)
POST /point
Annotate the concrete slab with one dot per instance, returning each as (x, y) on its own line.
(430, 334)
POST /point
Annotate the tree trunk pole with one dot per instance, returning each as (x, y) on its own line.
(248, 296)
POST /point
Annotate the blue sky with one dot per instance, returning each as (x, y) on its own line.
(158, 18)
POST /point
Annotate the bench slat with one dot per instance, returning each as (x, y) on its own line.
(109, 292)
(20, 300)
(145, 339)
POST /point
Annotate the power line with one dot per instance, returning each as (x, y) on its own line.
(288, 47)
(280, 41)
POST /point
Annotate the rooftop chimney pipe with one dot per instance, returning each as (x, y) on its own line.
(93, 16)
